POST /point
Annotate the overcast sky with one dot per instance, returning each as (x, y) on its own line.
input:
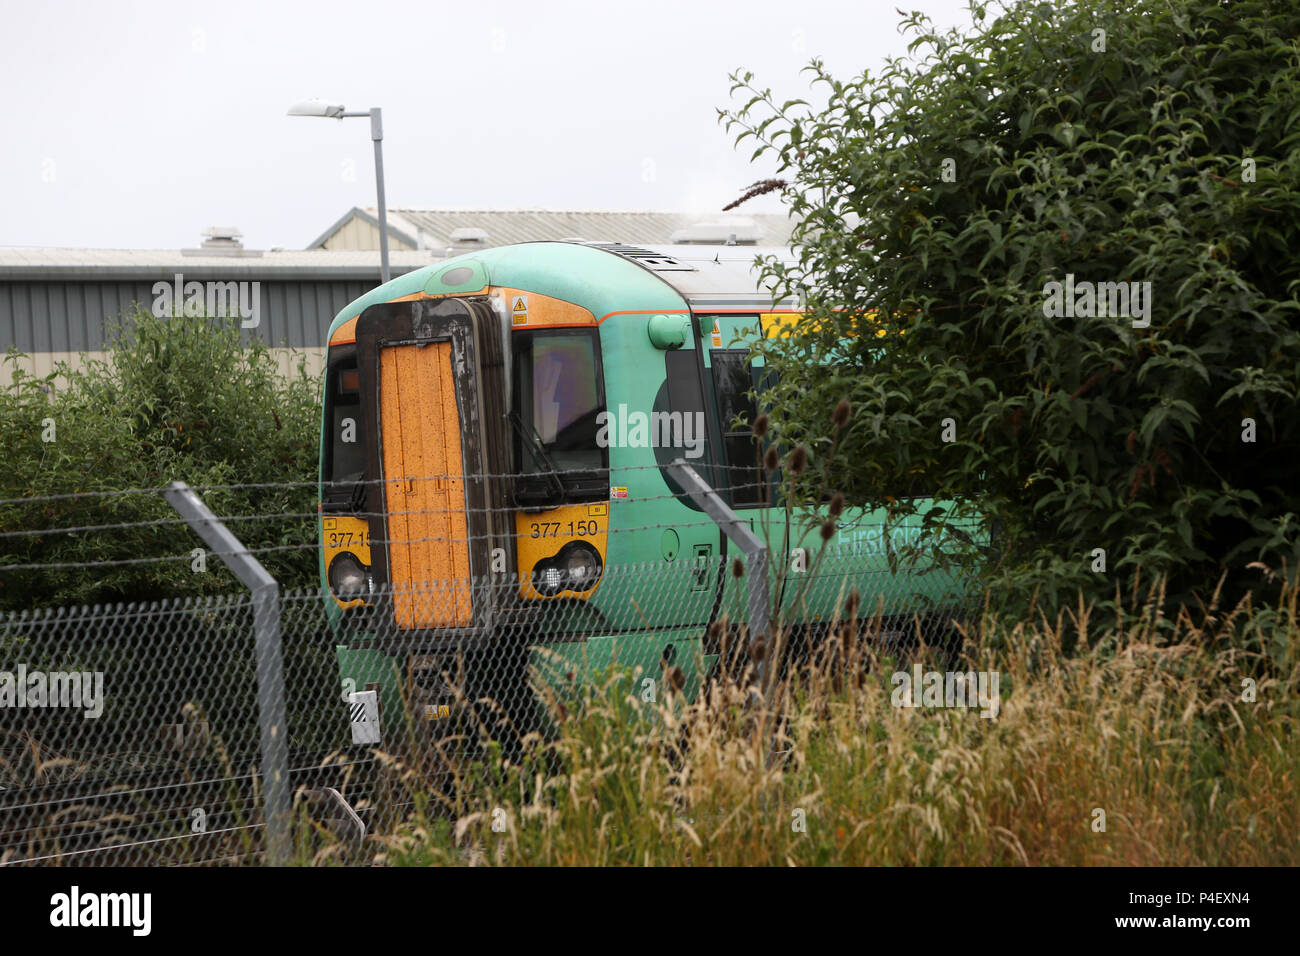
(139, 124)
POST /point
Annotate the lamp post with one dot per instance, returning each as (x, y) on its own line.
(331, 111)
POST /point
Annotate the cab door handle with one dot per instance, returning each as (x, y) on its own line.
(701, 562)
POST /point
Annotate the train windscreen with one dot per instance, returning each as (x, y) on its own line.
(558, 397)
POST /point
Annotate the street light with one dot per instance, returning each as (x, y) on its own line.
(339, 112)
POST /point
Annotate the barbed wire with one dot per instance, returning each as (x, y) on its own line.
(321, 513)
(479, 476)
(314, 545)
(295, 600)
(63, 854)
(185, 784)
(388, 542)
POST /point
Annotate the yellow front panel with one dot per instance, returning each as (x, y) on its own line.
(346, 533)
(780, 324)
(541, 534)
(424, 487)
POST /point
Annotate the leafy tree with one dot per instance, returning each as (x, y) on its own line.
(1107, 140)
(175, 399)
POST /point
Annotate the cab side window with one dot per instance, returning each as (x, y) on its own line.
(345, 453)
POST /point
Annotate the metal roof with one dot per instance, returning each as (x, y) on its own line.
(21, 262)
(509, 226)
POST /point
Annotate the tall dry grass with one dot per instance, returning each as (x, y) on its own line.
(1151, 724)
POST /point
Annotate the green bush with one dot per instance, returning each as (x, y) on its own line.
(938, 197)
(175, 399)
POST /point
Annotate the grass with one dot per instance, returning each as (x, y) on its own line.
(1152, 724)
(1180, 736)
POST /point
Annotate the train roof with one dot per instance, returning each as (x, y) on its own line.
(707, 277)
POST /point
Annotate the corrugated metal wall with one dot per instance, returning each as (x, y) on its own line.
(42, 317)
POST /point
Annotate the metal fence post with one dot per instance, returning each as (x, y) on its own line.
(270, 662)
(740, 534)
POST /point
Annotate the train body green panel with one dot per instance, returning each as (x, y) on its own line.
(364, 668)
(639, 657)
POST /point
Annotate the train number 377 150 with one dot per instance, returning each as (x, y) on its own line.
(344, 539)
(553, 529)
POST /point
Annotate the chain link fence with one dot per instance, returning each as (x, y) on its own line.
(160, 733)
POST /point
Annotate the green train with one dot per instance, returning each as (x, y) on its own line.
(494, 493)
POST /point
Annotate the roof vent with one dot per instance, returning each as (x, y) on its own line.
(469, 236)
(222, 241)
(657, 261)
(223, 237)
(724, 232)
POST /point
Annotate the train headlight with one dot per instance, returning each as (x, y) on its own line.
(581, 568)
(577, 567)
(347, 577)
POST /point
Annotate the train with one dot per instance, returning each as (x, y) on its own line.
(495, 497)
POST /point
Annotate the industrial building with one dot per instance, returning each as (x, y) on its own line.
(56, 302)
(456, 231)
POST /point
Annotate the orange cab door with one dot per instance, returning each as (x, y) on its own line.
(424, 487)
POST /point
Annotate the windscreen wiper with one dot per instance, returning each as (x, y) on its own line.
(345, 497)
(357, 497)
(533, 442)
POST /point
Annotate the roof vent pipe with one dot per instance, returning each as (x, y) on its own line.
(223, 237)
(222, 241)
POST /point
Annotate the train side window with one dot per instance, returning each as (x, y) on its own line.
(685, 397)
(735, 385)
